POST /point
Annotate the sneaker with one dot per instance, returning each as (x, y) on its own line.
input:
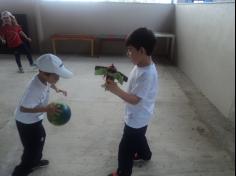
(21, 70)
(42, 163)
(33, 65)
(21, 174)
(113, 174)
(19, 171)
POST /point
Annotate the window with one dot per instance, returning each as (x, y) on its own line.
(128, 1)
(205, 1)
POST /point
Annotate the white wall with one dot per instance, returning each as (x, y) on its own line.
(47, 18)
(103, 18)
(206, 51)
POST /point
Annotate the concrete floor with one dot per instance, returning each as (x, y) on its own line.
(182, 144)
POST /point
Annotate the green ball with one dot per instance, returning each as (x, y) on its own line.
(62, 117)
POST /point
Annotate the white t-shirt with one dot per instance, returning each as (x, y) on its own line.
(36, 95)
(143, 82)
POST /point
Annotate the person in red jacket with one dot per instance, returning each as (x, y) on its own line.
(13, 36)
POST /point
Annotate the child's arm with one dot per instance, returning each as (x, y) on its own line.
(49, 109)
(2, 40)
(25, 36)
(129, 98)
(22, 34)
(53, 86)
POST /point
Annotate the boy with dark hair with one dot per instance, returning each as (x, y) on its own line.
(140, 101)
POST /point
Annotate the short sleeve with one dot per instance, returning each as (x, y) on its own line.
(31, 99)
(142, 85)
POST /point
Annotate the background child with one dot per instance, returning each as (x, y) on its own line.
(12, 35)
(140, 101)
(31, 110)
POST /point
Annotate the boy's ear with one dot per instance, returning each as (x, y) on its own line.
(142, 50)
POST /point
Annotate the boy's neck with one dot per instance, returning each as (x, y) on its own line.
(42, 79)
(146, 61)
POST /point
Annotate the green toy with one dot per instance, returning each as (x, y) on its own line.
(111, 73)
(62, 117)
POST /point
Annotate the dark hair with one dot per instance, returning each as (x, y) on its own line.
(142, 37)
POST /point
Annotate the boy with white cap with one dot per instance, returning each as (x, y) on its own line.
(31, 109)
(13, 36)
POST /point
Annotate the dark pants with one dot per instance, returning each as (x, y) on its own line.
(32, 137)
(133, 141)
(22, 49)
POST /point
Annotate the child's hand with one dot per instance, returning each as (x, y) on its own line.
(3, 41)
(111, 86)
(53, 86)
(52, 109)
(62, 91)
(29, 39)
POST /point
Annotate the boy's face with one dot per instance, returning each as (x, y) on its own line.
(134, 54)
(52, 78)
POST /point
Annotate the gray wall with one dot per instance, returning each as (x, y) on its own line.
(47, 18)
(206, 51)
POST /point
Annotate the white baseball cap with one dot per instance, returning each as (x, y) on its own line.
(52, 64)
(5, 14)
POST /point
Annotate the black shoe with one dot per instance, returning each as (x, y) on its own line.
(20, 174)
(42, 163)
(20, 171)
(20, 70)
(33, 65)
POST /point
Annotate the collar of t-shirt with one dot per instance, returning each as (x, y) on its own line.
(145, 67)
(41, 84)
